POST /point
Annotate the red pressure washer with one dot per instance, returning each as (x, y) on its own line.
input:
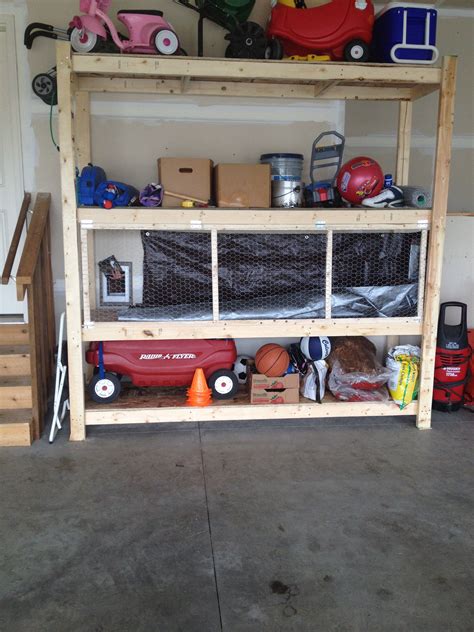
(452, 361)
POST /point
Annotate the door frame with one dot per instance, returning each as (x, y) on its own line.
(8, 26)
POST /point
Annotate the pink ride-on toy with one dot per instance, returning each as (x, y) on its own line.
(341, 29)
(148, 31)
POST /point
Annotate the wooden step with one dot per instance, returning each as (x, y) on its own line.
(16, 428)
(14, 361)
(15, 392)
(16, 334)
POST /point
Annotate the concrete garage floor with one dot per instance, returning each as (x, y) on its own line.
(306, 526)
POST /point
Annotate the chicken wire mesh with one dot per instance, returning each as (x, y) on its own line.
(375, 274)
(167, 275)
(271, 275)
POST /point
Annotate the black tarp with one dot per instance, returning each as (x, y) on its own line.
(277, 275)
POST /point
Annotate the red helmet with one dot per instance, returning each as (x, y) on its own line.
(360, 178)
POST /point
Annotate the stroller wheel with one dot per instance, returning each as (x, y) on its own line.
(247, 41)
(274, 49)
(356, 50)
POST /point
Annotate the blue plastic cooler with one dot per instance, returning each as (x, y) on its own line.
(405, 33)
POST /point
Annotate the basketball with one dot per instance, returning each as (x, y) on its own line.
(272, 360)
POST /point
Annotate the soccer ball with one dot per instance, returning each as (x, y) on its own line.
(240, 367)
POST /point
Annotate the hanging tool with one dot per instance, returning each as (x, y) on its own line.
(188, 198)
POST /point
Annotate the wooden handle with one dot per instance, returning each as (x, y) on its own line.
(178, 196)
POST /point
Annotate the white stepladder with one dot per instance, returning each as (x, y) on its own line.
(61, 370)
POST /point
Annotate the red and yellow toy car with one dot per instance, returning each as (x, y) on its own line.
(161, 363)
(341, 29)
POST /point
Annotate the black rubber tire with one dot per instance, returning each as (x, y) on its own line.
(113, 396)
(349, 50)
(45, 87)
(274, 49)
(219, 374)
(247, 41)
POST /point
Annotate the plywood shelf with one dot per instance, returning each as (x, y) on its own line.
(155, 405)
(196, 76)
(268, 220)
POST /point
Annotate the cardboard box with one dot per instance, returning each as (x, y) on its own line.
(243, 186)
(274, 390)
(186, 176)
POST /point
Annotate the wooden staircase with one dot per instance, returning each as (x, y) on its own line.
(27, 349)
(16, 415)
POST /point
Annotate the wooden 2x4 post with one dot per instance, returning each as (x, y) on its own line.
(436, 242)
(72, 261)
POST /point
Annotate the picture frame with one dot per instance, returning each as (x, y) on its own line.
(117, 293)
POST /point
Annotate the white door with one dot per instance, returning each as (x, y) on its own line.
(11, 171)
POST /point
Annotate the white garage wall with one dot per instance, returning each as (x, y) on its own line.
(240, 133)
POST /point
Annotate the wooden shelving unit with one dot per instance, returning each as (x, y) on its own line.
(79, 75)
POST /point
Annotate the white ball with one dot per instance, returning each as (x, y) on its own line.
(240, 368)
(315, 347)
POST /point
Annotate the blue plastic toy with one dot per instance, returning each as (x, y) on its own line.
(87, 183)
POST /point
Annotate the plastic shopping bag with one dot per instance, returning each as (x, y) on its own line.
(314, 382)
(404, 365)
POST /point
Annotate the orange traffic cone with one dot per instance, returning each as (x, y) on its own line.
(199, 394)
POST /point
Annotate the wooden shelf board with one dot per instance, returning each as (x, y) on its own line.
(252, 219)
(149, 330)
(194, 75)
(327, 90)
(155, 405)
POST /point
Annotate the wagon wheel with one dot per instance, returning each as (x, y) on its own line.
(105, 389)
(246, 41)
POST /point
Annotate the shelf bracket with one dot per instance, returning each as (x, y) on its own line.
(185, 81)
(320, 224)
(321, 87)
